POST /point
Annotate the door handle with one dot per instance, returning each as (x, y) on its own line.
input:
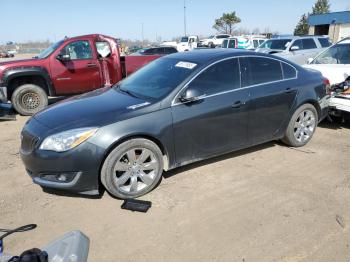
(288, 90)
(238, 104)
(91, 65)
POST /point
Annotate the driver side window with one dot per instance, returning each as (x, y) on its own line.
(78, 50)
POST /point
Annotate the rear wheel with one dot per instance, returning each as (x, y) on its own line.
(302, 126)
(132, 169)
(29, 99)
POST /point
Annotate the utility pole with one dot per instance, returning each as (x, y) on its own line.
(185, 18)
(142, 34)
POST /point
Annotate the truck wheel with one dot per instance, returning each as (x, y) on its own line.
(132, 169)
(301, 126)
(211, 45)
(29, 99)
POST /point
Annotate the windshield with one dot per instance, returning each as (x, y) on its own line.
(337, 54)
(50, 50)
(157, 79)
(184, 39)
(277, 44)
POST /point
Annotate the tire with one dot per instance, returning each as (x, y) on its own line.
(29, 99)
(302, 126)
(211, 45)
(123, 174)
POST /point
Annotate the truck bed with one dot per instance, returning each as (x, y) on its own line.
(132, 63)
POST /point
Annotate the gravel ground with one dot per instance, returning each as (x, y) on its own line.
(267, 203)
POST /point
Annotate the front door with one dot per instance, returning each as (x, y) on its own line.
(81, 73)
(218, 122)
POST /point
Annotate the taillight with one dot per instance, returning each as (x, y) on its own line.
(327, 85)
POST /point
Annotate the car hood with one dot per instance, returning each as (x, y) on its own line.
(335, 73)
(20, 62)
(95, 109)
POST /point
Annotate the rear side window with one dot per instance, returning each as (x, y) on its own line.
(263, 70)
(220, 77)
(288, 71)
(324, 42)
(309, 43)
(103, 49)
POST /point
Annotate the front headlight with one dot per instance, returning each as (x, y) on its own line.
(67, 140)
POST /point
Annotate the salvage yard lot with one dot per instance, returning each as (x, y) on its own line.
(268, 203)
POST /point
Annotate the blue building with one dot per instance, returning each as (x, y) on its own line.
(336, 25)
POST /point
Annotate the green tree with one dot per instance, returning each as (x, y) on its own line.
(225, 24)
(321, 7)
(302, 27)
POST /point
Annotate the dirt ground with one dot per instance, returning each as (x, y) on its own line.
(267, 203)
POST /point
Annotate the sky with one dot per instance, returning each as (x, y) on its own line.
(37, 20)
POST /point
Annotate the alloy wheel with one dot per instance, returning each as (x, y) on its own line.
(304, 126)
(136, 170)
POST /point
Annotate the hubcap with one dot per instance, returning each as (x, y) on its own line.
(304, 126)
(136, 170)
(30, 100)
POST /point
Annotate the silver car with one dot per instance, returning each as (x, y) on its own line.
(297, 49)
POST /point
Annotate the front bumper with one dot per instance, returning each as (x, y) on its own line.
(3, 94)
(81, 165)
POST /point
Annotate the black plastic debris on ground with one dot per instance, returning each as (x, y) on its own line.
(136, 205)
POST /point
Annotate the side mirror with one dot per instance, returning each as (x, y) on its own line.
(294, 48)
(63, 57)
(309, 60)
(191, 95)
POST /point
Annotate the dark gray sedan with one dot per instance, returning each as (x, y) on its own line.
(176, 110)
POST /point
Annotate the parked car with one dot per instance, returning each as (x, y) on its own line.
(161, 50)
(6, 54)
(334, 64)
(297, 49)
(179, 109)
(70, 66)
(188, 43)
(243, 42)
(214, 40)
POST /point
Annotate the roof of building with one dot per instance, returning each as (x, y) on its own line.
(330, 18)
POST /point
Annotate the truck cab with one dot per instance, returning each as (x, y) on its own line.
(70, 66)
(188, 43)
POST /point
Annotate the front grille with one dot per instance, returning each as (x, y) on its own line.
(28, 142)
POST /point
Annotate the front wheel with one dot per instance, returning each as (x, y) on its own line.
(302, 126)
(29, 99)
(132, 169)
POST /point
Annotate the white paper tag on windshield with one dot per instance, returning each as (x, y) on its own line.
(186, 65)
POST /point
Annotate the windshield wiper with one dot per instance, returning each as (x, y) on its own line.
(127, 92)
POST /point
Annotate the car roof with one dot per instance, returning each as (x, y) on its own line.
(299, 37)
(204, 56)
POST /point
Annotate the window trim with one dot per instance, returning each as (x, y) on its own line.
(82, 40)
(174, 103)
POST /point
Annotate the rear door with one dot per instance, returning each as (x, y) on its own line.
(272, 91)
(81, 73)
(218, 122)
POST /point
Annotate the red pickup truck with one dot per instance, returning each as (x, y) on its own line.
(70, 66)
